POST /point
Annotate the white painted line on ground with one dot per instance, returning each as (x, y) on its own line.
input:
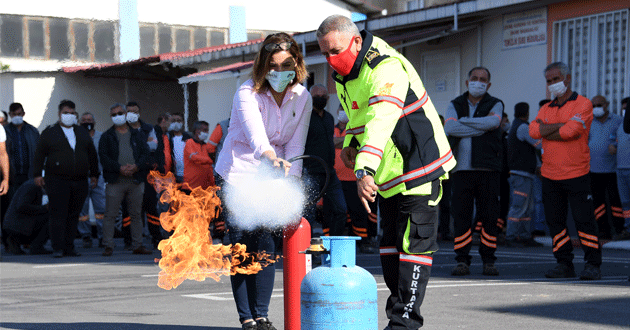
(213, 296)
(498, 264)
(279, 293)
(59, 265)
(476, 284)
(97, 263)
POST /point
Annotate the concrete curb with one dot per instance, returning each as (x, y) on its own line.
(606, 244)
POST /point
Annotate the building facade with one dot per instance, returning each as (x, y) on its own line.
(444, 39)
(43, 42)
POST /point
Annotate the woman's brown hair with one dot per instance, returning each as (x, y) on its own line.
(261, 63)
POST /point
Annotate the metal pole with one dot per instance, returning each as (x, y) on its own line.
(185, 106)
(455, 18)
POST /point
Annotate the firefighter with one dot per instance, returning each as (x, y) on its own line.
(396, 146)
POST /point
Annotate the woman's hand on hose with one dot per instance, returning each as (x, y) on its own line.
(270, 157)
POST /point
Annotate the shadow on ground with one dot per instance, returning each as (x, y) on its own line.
(606, 311)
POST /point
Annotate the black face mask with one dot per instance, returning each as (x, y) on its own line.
(88, 126)
(319, 102)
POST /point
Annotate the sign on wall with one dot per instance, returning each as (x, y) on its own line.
(525, 29)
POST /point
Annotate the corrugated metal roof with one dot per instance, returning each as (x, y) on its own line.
(166, 57)
(98, 67)
(198, 52)
(232, 67)
(204, 75)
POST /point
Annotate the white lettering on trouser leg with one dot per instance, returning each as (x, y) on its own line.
(417, 261)
(413, 289)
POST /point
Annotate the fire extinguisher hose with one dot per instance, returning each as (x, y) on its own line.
(324, 165)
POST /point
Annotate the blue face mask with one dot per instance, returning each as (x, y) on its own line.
(280, 80)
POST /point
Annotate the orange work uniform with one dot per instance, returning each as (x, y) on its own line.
(570, 158)
(198, 165)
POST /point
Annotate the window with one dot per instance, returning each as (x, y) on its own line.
(165, 39)
(200, 38)
(59, 45)
(104, 43)
(147, 41)
(415, 4)
(63, 39)
(253, 36)
(81, 46)
(36, 38)
(11, 36)
(595, 48)
(217, 38)
(182, 40)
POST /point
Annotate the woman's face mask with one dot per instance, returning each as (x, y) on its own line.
(279, 80)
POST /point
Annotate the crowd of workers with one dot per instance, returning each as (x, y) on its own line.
(52, 178)
(389, 154)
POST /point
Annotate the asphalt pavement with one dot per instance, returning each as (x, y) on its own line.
(121, 292)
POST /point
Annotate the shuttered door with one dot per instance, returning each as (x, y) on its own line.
(596, 49)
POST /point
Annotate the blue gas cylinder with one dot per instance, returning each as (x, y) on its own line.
(339, 295)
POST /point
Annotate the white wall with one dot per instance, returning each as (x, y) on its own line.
(40, 94)
(466, 43)
(6, 91)
(517, 74)
(215, 99)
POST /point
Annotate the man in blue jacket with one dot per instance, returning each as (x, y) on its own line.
(24, 138)
(124, 155)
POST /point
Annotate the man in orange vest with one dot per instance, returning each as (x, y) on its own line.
(564, 125)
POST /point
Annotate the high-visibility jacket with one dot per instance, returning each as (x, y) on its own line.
(393, 122)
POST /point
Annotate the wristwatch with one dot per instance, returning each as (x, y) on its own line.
(361, 173)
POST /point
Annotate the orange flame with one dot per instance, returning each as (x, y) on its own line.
(189, 253)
